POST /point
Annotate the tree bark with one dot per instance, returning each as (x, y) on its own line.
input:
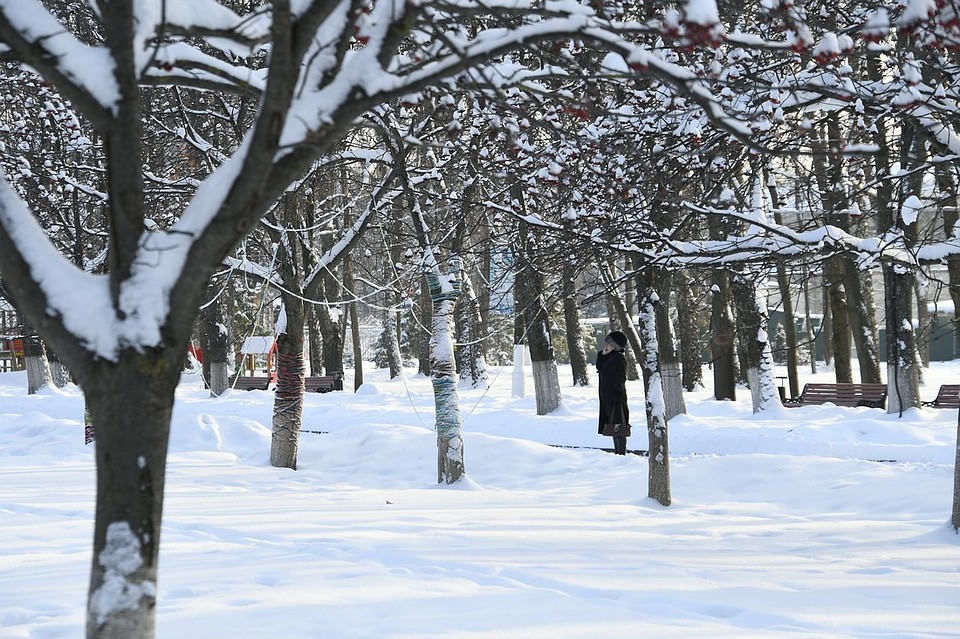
(35, 360)
(131, 451)
(388, 341)
(722, 342)
(536, 321)
(667, 350)
(473, 362)
(863, 320)
(688, 331)
(903, 370)
(658, 468)
(752, 324)
(574, 332)
(840, 316)
(444, 290)
(288, 396)
(215, 341)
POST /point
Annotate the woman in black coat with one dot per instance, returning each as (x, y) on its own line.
(612, 372)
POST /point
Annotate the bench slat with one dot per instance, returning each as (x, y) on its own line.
(323, 383)
(947, 397)
(873, 395)
(250, 383)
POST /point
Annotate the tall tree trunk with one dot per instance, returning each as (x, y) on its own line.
(786, 298)
(131, 454)
(752, 325)
(839, 314)
(215, 342)
(790, 329)
(903, 370)
(863, 320)
(574, 332)
(722, 342)
(667, 351)
(350, 285)
(808, 321)
(658, 469)
(35, 360)
(947, 184)
(288, 397)
(473, 361)
(924, 320)
(536, 320)
(444, 290)
(688, 332)
(388, 340)
(59, 374)
(314, 341)
(331, 331)
(426, 319)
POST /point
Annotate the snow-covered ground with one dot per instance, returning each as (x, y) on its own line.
(808, 522)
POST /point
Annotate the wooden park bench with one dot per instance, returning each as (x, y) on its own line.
(249, 382)
(871, 395)
(324, 383)
(947, 397)
(318, 384)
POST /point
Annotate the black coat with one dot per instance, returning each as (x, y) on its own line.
(612, 371)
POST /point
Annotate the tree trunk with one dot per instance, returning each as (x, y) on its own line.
(35, 360)
(722, 342)
(658, 469)
(388, 341)
(59, 374)
(863, 320)
(667, 350)
(426, 319)
(924, 321)
(536, 322)
(350, 284)
(786, 298)
(444, 290)
(331, 332)
(215, 342)
(288, 397)
(314, 341)
(839, 314)
(808, 321)
(947, 184)
(903, 370)
(688, 329)
(473, 361)
(752, 324)
(357, 347)
(574, 332)
(131, 403)
(789, 328)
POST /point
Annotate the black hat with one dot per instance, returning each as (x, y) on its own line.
(618, 338)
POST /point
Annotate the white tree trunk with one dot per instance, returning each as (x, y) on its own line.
(219, 378)
(519, 371)
(35, 360)
(546, 382)
(672, 389)
(444, 290)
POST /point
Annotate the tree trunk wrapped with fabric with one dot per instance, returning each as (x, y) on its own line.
(444, 291)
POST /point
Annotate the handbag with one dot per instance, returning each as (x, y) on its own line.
(616, 430)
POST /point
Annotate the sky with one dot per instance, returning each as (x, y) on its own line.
(822, 522)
